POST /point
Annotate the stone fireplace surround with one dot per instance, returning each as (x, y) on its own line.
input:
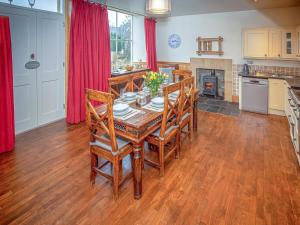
(217, 64)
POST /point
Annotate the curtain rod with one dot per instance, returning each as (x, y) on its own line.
(116, 8)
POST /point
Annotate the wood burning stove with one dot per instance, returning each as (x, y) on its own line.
(210, 84)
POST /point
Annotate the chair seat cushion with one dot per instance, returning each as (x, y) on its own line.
(120, 141)
(185, 116)
(157, 132)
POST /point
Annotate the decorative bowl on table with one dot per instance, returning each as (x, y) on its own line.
(157, 102)
(129, 67)
(120, 109)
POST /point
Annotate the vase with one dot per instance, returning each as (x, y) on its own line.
(153, 93)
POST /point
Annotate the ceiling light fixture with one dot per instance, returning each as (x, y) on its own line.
(158, 7)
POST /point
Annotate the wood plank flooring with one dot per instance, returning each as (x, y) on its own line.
(236, 171)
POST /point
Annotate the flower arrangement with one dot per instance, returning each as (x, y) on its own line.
(153, 80)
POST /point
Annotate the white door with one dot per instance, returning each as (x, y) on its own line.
(38, 93)
(50, 75)
(23, 35)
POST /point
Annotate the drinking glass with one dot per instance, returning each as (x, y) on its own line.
(122, 91)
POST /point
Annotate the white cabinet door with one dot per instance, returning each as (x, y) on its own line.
(298, 42)
(286, 97)
(256, 43)
(50, 75)
(275, 43)
(23, 37)
(289, 44)
(276, 95)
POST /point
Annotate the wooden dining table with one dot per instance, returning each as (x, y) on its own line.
(136, 129)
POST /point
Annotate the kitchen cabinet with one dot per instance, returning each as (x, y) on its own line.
(275, 43)
(256, 43)
(286, 97)
(298, 42)
(289, 44)
(272, 43)
(276, 97)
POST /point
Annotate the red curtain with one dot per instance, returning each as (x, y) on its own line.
(7, 125)
(89, 58)
(150, 35)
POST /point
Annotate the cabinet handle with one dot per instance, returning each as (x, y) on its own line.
(265, 55)
(279, 55)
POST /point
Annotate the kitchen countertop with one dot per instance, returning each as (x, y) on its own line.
(293, 81)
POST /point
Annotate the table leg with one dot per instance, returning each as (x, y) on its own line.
(195, 116)
(137, 172)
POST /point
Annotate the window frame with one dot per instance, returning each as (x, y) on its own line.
(60, 6)
(116, 40)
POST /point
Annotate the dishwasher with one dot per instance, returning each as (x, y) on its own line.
(255, 95)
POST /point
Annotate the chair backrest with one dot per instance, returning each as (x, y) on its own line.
(115, 84)
(179, 75)
(171, 108)
(187, 95)
(101, 125)
(168, 71)
(138, 81)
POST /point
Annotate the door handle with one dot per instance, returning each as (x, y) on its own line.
(32, 56)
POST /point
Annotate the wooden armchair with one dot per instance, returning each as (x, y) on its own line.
(138, 81)
(168, 131)
(115, 84)
(179, 75)
(187, 105)
(103, 141)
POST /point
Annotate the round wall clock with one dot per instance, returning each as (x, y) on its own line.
(174, 41)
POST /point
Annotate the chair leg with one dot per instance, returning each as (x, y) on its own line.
(94, 163)
(178, 144)
(161, 155)
(120, 169)
(116, 166)
(190, 128)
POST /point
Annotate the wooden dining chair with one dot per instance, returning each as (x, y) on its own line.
(115, 84)
(168, 132)
(179, 75)
(186, 105)
(103, 141)
(138, 81)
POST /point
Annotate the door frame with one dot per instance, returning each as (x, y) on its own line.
(6, 9)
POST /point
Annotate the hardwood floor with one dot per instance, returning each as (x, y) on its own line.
(236, 171)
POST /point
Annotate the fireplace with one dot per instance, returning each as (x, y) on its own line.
(210, 82)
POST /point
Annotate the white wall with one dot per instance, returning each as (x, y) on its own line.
(228, 25)
(139, 46)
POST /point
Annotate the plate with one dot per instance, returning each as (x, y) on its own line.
(157, 106)
(175, 93)
(130, 95)
(120, 107)
(122, 113)
(158, 101)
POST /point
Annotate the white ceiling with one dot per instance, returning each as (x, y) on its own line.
(189, 7)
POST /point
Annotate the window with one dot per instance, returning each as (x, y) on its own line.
(120, 25)
(48, 5)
